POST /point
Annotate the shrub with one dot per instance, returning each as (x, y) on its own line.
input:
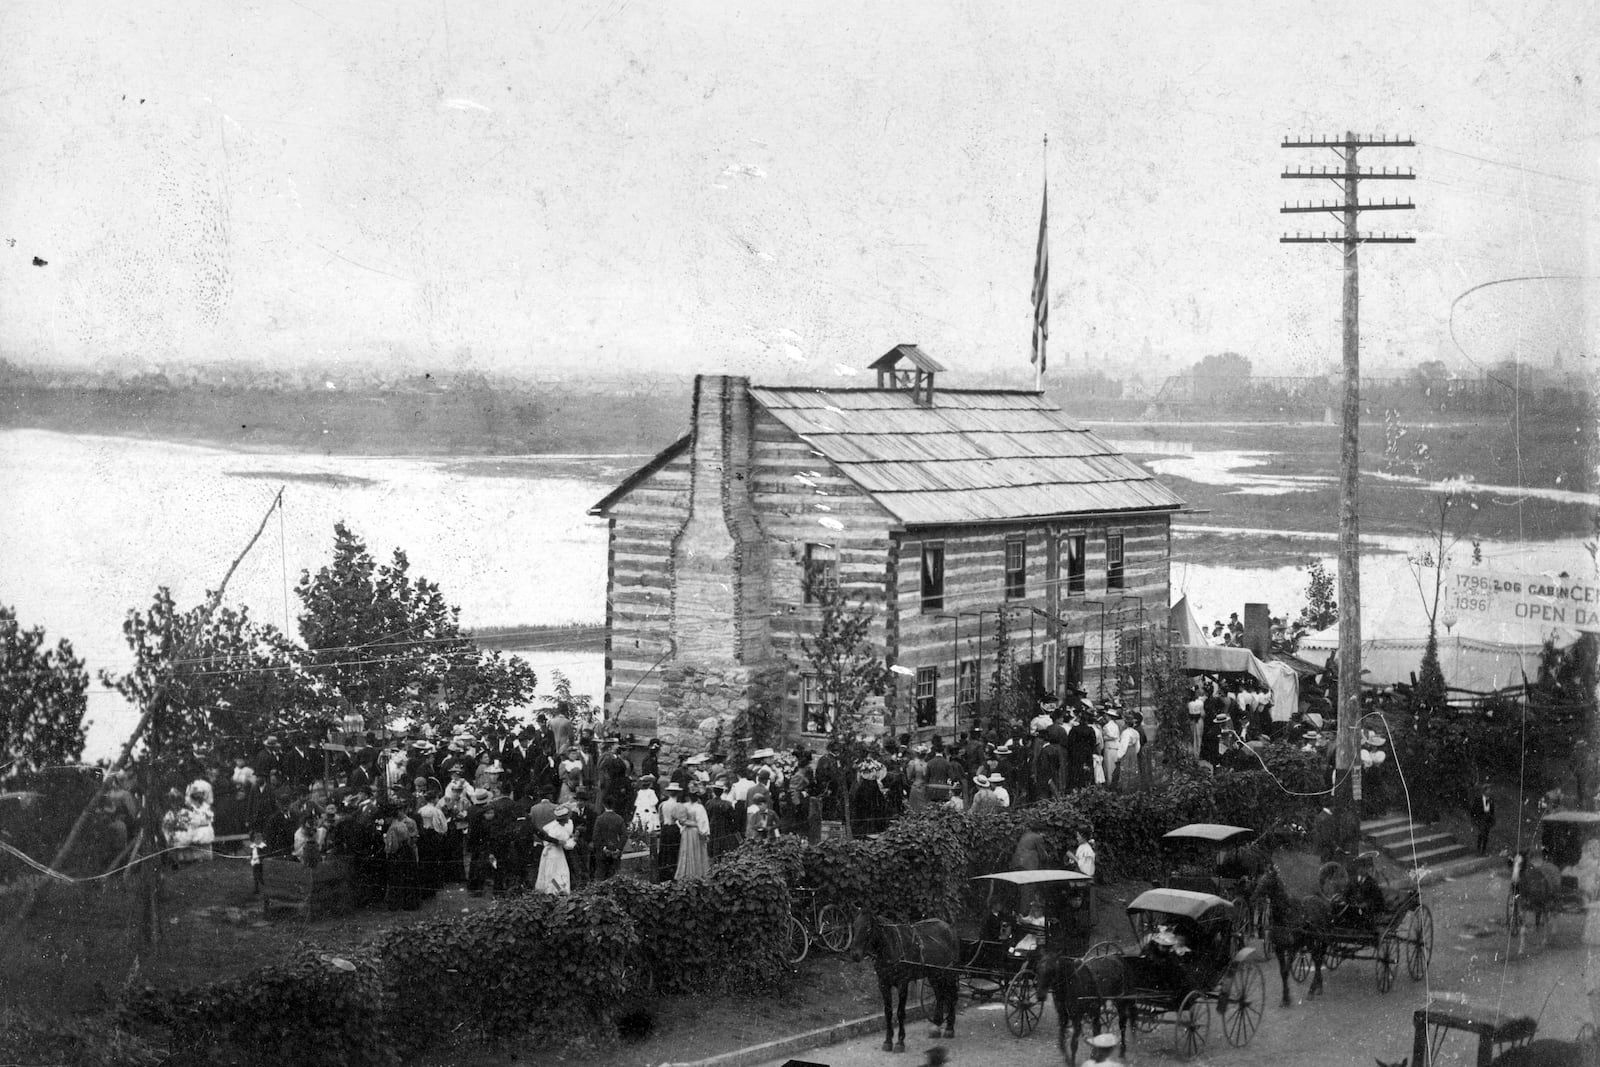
(312, 1008)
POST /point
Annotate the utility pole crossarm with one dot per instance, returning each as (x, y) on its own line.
(1328, 205)
(1339, 238)
(1324, 172)
(1351, 142)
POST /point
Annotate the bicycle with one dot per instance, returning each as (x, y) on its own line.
(812, 922)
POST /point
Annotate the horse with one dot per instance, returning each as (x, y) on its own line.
(1295, 925)
(1245, 864)
(902, 953)
(1535, 884)
(1080, 989)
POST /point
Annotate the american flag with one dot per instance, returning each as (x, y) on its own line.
(1041, 286)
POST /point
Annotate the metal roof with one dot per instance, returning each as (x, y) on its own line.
(972, 456)
(1035, 877)
(1178, 902)
(1207, 831)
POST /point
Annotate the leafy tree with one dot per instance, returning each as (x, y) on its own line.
(1230, 365)
(240, 681)
(43, 695)
(1174, 742)
(1562, 705)
(1009, 702)
(849, 668)
(1322, 609)
(389, 643)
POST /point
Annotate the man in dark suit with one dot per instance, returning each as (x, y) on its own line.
(616, 777)
(1481, 812)
(268, 759)
(1081, 750)
(610, 839)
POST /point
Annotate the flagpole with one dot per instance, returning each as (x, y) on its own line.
(1041, 294)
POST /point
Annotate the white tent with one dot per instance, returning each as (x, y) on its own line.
(1479, 658)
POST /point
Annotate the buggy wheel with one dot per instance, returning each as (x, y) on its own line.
(1191, 1025)
(833, 928)
(1103, 948)
(1023, 1009)
(1419, 942)
(1243, 921)
(799, 942)
(1300, 969)
(927, 999)
(1244, 992)
(1331, 961)
(1386, 960)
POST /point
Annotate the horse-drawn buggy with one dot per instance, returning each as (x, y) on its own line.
(1020, 915)
(1355, 915)
(1551, 885)
(1218, 859)
(991, 953)
(1188, 965)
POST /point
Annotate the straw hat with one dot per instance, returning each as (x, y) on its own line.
(981, 781)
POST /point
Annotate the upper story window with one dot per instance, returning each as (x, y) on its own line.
(933, 576)
(1073, 547)
(1114, 573)
(822, 571)
(1016, 568)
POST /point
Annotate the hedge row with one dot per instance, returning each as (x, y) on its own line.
(495, 972)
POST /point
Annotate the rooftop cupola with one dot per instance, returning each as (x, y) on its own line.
(910, 370)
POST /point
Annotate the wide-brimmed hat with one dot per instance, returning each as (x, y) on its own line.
(1004, 750)
(674, 787)
(480, 796)
(562, 810)
(996, 778)
(495, 768)
(655, 742)
(1164, 937)
(1103, 1041)
(272, 739)
(1221, 718)
(981, 781)
(696, 759)
(762, 753)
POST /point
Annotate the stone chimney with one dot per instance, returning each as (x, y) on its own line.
(719, 607)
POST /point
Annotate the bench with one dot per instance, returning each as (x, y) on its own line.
(313, 892)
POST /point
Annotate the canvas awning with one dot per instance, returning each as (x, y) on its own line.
(1184, 627)
(1219, 659)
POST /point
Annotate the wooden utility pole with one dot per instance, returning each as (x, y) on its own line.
(1348, 211)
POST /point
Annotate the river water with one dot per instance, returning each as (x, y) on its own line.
(91, 526)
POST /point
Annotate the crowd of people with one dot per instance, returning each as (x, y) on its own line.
(549, 806)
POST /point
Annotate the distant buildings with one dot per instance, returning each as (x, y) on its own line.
(941, 507)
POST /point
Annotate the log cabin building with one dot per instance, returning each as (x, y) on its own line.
(941, 508)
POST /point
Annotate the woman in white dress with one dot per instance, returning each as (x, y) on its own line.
(554, 875)
(198, 832)
(694, 861)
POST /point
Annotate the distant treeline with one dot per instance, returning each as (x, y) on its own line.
(370, 421)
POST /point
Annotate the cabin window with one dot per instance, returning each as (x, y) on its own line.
(967, 686)
(933, 576)
(1016, 568)
(821, 573)
(1073, 546)
(1114, 561)
(927, 696)
(814, 717)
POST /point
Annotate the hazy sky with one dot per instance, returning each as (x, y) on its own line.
(779, 188)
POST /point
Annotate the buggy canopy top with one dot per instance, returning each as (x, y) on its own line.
(1179, 902)
(1035, 877)
(1581, 818)
(1215, 832)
